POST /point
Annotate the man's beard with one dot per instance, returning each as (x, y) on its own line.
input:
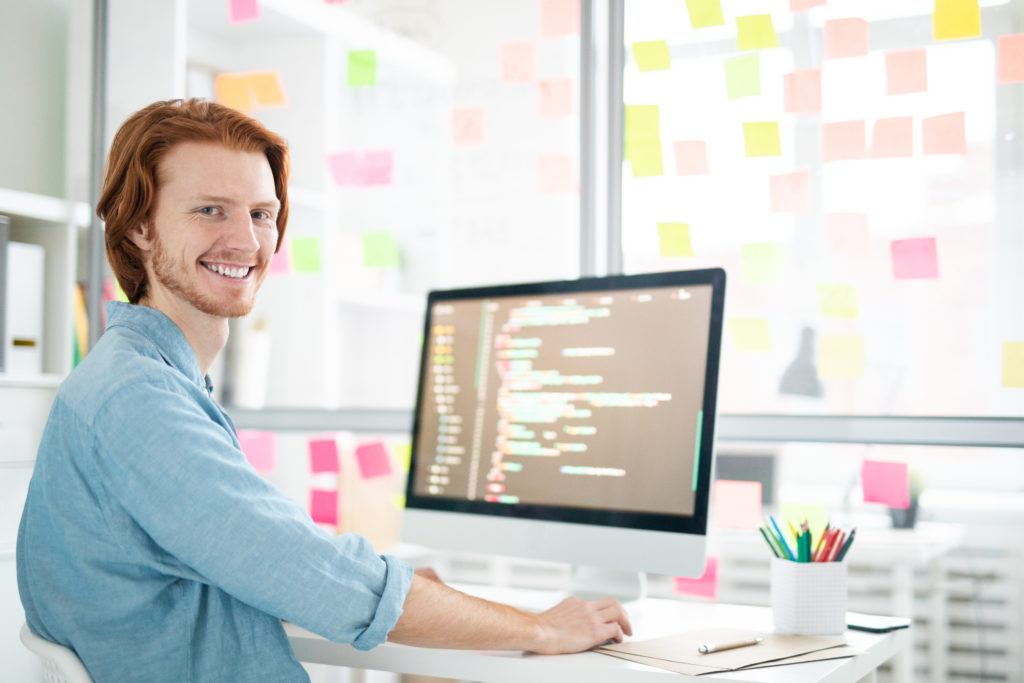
(176, 278)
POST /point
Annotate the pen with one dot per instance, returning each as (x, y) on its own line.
(718, 647)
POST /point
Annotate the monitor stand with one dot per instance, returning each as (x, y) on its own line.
(591, 583)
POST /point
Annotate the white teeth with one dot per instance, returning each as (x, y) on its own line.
(236, 273)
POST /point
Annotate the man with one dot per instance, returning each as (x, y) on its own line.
(147, 544)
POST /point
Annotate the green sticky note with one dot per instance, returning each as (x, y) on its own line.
(380, 249)
(645, 158)
(652, 55)
(750, 334)
(704, 13)
(956, 19)
(306, 254)
(837, 300)
(761, 262)
(761, 139)
(755, 32)
(642, 123)
(796, 514)
(674, 240)
(362, 68)
(743, 76)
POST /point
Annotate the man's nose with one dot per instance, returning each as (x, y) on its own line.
(242, 233)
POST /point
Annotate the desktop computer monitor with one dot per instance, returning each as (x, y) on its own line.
(570, 421)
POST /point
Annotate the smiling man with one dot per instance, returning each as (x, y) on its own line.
(147, 543)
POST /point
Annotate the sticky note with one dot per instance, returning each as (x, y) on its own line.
(559, 17)
(954, 19)
(379, 249)
(323, 506)
(377, 166)
(804, 5)
(674, 240)
(837, 300)
(893, 137)
(791, 193)
(705, 13)
(373, 460)
(467, 126)
(555, 174)
(737, 504)
(915, 258)
(743, 76)
(398, 500)
(240, 11)
(642, 123)
(1013, 364)
(645, 159)
(281, 262)
(691, 157)
(362, 68)
(801, 91)
(885, 482)
(750, 334)
(846, 233)
(944, 134)
(232, 90)
(706, 586)
(761, 139)
(755, 32)
(306, 254)
(815, 514)
(761, 262)
(260, 449)
(403, 454)
(906, 71)
(344, 167)
(843, 140)
(266, 90)
(846, 38)
(555, 98)
(323, 456)
(841, 356)
(652, 55)
(518, 62)
(1010, 60)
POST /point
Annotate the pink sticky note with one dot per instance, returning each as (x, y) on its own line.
(559, 17)
(554, 174)
(691, 157)
(915, 258)
(467, 126)
(518, 62)
(846, 233)
(323, 455)
(737, 504)
(843, 140)
(906, 71)
(555, 98)
(373, 460)
(377, 167)
(846, 38)
(1011, 59)
(243, 10)
(885, 482)
(791, 193)
(804, 5)
(344, 167)
(706, 586)
(260, 449)
(281, 263)
(802, 91)
(893, 137)
(323, 506)
(944, 134)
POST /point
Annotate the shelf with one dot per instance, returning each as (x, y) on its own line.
(43, 381)
(43, 207)
(401, 302)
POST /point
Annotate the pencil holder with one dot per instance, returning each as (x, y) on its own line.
(808, 598)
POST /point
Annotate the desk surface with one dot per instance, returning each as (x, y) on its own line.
(651, 618)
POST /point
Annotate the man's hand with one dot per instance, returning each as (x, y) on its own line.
(574, 625)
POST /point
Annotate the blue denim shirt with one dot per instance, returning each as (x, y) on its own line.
(151, 547)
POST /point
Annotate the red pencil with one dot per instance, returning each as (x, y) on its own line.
(821, 542)
(835, 547)
(823, 556)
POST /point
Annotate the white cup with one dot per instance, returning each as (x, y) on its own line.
(808, 598)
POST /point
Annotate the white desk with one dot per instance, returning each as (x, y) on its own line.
(651, 618)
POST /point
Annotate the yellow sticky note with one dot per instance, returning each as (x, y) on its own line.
(761, 139)
(750, 334)
(704, 13)
(642, 123)
(674, 240)
(956, 19)
(652, 55)
(837, 300)
(743, 76)
(755, 32)
(841, 356)
(398, 500)
(1013, 364)
(796, 514)
(380, 250)
(645, 158)
(265, 88)
(761, 262)
(403, 453)
(232, 90)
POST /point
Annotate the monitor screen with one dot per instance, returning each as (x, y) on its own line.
(588, 402)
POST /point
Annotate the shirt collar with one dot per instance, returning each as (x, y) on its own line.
(165, 335)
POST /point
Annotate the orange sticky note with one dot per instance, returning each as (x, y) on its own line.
(265, 88)
(761, 262)
(791, 193)
(906, 71)
(954, 19)
(750, 334)
(1013, 364)
(846, 38)
(691, 157)
(761, 139)
(323, 506)
(518, 62)
(232, 90)
(841, 356)
(944, 134)
(846, 233)
(915, 258)
(737, 504)
(1011, 59)
(885, 482)
(652, 55)
(555, 174)
(893, 138)
(467, 125)
(674, 240)
(804, 5)
(755, 32)
(843, 141)
(240, 11)
(704, 13)
(802, 91)
(260, 449)
(837, 300)
(559, 17)
(705, 586)
(555, 98)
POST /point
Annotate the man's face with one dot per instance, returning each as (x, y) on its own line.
(213, 229)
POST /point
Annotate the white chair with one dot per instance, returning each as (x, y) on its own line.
(60, 665)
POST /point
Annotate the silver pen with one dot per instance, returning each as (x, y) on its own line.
(718, 647)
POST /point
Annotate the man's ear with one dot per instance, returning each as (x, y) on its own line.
(140, 235)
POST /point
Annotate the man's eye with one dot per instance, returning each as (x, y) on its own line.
(209, 210)
(261, 215)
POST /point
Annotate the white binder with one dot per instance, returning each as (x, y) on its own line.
(23, 309)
